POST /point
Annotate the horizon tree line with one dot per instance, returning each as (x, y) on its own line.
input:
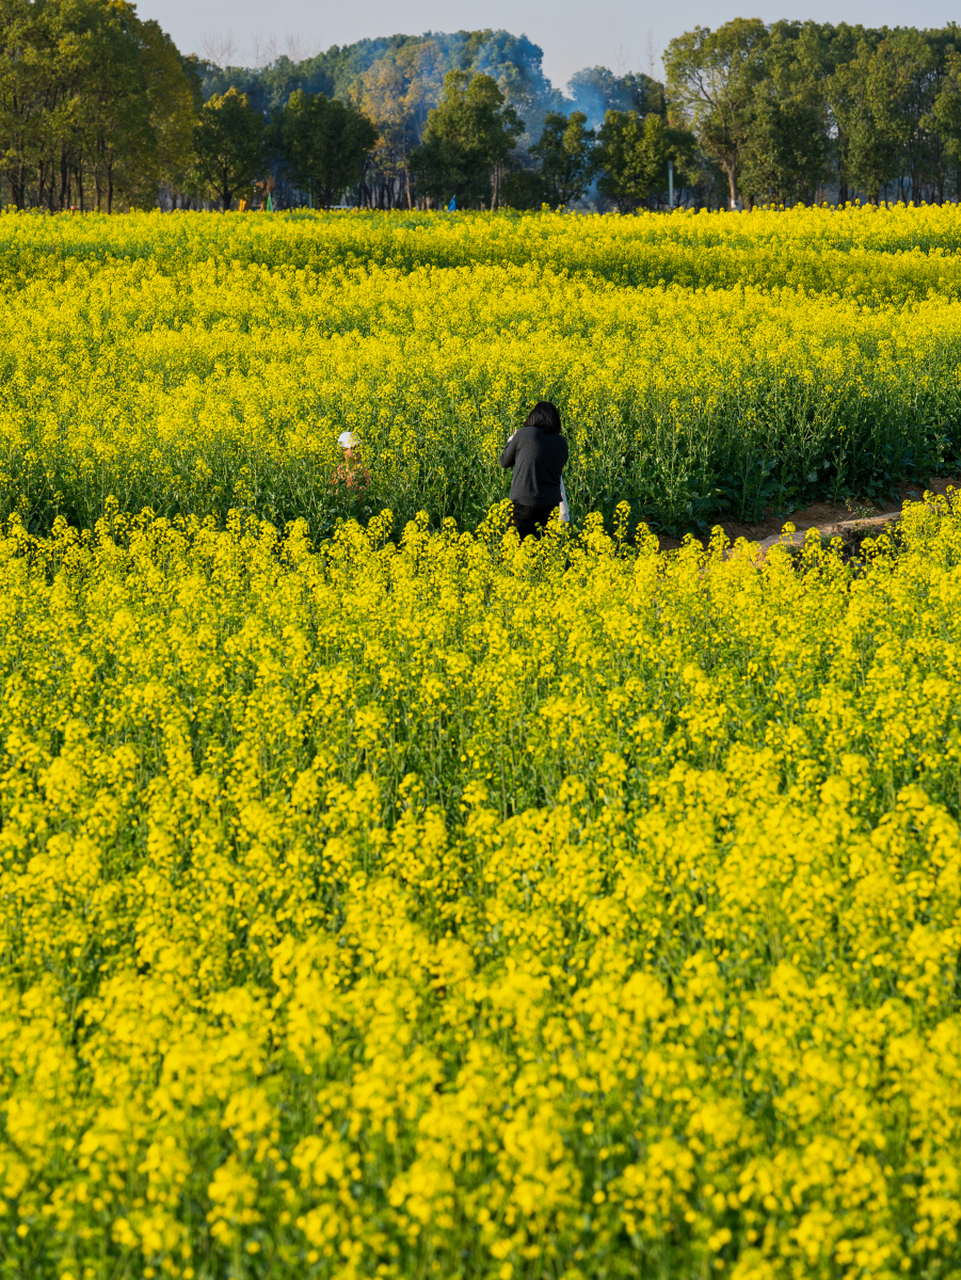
(99, 107)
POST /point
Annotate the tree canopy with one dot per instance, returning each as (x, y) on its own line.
(792, 108)
(634, 157)
(324, 143)
(713, 77)
(230, 146)
(90, 96)
(469, 134)
(99, 108)
(568, 157)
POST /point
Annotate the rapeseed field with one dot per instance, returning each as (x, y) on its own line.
(707, 365)
(461, 908)
(390, 898)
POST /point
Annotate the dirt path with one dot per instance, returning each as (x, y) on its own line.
(827, 519)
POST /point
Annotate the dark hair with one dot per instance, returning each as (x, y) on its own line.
(545, 415)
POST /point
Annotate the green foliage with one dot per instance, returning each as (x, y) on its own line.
(712, 77)
(522, 189)
(397, 93)
(872, 97)
(789, 134)
(635, 154)
(786, 108)
(597, 90)
(97, 106)
(396, 81)
(230, 146)
(174, 93)
(90, 97)
(568, 157)
(324, 144)
(946, 109)
(468, 135)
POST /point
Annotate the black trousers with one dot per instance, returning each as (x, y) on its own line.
(530, 521)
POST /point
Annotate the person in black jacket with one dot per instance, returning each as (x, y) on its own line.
(537, 454)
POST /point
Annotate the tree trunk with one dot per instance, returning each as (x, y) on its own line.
(732, 183)
(110, 188)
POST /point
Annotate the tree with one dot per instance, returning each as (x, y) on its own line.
(567, 155)
(634, 155)
(397, 93)
(522, 188)
(514, 63)
(229, 145)
(712, 77)
(27, 91)
(396, 81)
(871, 99)
(324, 144)
(469, 135)
(89, 96)
(946, 111)
(174, 101)
(597, 90)
(786, 152)
(110, 105)
(929, 156)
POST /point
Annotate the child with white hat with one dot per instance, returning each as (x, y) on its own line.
(351, 477)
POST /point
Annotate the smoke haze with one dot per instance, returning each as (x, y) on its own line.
(610, 33)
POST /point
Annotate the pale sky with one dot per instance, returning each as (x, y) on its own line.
(613, 33)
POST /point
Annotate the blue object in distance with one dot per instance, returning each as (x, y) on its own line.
(452, 207)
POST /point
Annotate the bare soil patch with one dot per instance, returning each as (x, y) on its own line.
(866, 516)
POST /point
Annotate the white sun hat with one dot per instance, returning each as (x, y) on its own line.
(348, 440)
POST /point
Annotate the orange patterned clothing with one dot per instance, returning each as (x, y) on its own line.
(351, 477)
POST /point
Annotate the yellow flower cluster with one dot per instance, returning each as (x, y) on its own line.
(450, 907)
(705, 364)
